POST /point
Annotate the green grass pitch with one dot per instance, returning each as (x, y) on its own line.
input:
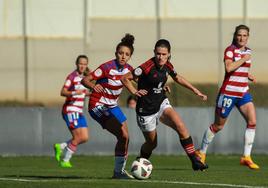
(96, 172)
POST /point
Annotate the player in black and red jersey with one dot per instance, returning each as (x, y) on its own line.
(153, 105)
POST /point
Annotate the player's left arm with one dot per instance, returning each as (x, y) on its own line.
(182, 81)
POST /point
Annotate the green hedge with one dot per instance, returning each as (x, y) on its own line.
(181, 96)
(17, 103)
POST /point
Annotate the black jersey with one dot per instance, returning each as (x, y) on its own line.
(152, 78)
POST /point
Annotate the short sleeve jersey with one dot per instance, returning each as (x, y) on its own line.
(108, 75)
(152, 78)
(74, 103)
(236, 82)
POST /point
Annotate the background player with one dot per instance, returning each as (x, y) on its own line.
(72, 111)
(234, 92)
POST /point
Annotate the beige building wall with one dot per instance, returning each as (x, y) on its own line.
(58, 32)
(195, 53)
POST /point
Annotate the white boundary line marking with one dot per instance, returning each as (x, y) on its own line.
(207, 184)
(140, 181)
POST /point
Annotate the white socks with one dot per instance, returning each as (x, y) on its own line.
(63, 145)
(249, 139)
(68, 154)
(207, 139)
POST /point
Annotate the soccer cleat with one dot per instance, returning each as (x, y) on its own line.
(122, 175)
(247, 161)
(65, 164)
(197, 164)
(201, 156)
(57, 151)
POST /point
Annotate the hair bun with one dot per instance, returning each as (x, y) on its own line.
(128, 38)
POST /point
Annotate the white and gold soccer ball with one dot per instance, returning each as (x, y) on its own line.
(141, 168)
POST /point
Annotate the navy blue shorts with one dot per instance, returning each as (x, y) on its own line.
(225, 104)
(74, 120)
(101, 114)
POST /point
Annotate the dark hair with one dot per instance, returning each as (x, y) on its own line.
(163, 43)
(79, 57)
(131, 97)
(128, 41)
(237, 28)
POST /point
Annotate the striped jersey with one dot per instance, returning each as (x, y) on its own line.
(236, 82)
(108, 75)
(74, 103)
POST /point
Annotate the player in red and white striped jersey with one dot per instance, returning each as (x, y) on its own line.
(103, 105)
(72, 111)
(235, 92)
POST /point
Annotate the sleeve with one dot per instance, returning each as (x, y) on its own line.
(143, 68)
(171, 70)
(68, 82)
(228, 54)
(137, 72)
(98, 73)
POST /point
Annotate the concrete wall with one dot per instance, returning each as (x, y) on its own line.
(33, 131)
(194, 53)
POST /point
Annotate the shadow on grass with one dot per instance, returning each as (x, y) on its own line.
(172, 169)
(40, 177)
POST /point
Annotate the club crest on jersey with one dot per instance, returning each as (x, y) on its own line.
(138, 71)
(98, 72)
(68, 83)
(230, 54)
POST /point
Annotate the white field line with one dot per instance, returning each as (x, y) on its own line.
(139, 181)
(207, 184)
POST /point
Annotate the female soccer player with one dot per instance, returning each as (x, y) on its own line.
(72, 111)
(234, 92)
(153, 105)
(103, 105)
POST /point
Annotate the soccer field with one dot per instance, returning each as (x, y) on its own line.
(96, 172)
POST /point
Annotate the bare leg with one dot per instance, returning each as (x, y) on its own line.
(172, 119)
(149, 145)
(120, 131)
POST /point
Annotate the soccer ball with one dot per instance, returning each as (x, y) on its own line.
(141, 168)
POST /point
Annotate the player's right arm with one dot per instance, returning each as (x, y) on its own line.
(230, 64)
(65, 92)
